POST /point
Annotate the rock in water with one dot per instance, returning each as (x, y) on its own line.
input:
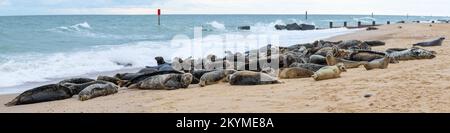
(244, 27)
(44, 93)
(307, 27)
(293, 26)
(97, 90)
(280, 27)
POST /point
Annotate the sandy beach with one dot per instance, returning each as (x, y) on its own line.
(410, 86)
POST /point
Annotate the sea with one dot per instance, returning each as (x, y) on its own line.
(35, 50)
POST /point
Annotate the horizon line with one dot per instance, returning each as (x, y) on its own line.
(219, 14)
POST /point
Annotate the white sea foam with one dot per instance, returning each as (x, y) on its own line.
(85, 30)
(217, 25)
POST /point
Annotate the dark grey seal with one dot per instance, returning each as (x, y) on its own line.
(308, 66)
(437, 42)
(44, 93)
(252, 78)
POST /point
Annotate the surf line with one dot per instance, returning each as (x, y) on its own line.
(187, 123)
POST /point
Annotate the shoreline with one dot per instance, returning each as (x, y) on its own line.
(410, 86)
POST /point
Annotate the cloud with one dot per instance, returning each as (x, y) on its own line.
(4, 3)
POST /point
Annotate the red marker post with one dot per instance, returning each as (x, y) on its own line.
(159, 16)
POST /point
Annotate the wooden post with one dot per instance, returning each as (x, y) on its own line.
(345, 24)
(306, 15)
(373, 23)
(359, 23)
(331, 25)
(159, 16)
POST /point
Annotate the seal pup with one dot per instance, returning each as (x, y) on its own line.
(295, 72)
(413, 53)
(437, 42)
(44, 93)
(378, 64)
(329, 72)
(164, 82)
(215, 77)
(97, 90)
(252, 78)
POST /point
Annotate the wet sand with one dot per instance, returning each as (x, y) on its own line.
(410, 86)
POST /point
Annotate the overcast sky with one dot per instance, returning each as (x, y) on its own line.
(388, 7)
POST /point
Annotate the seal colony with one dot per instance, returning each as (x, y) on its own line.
(320, 60)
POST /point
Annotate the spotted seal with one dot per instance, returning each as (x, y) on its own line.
(97, 90)
(147, 75)
(215, 77)
(77, 88)
(413, 53)
(164, 82)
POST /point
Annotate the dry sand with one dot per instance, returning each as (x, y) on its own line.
(411, 86)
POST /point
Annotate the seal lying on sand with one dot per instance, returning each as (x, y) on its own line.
(354, 45)
(308, 66)
(215, 77)
(76, 80)
(97, 90)
(164, 82)
(147, 75)
(127, 76)
(295, 72)
(437, 42)
(413, 53)
(198, 74)
(252, 78)
(77, 88)
(329, 72)
(375, 43)
(366, 55)
(331, 61)
(378, 64)
(44, 93)
(109, 79)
